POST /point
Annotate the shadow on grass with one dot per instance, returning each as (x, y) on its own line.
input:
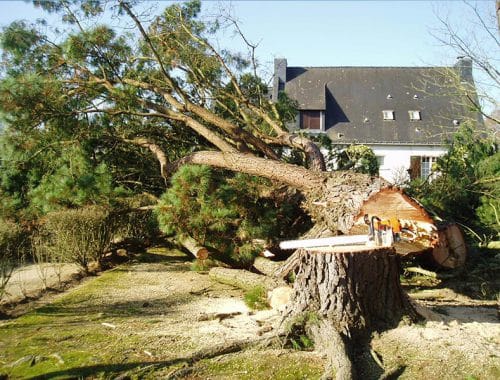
(90, 371)
(135, 308)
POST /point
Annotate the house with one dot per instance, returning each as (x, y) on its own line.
(404, 114)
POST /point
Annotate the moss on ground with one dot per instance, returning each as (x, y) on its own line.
(276, 364)
(84, 334)
(87, 334)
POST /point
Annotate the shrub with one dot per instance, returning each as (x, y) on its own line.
(81, 235)
(132, 223)
(358, 158)
(12, 240)
(466, 189)
(228, 213)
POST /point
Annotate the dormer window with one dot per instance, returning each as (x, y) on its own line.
(312, 120)
(388, 115)
(414, 115)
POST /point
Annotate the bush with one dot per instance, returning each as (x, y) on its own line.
(358, 158)
(131, 223)
(228, 213)
(466, 187)
(80, 235)
(12, 241)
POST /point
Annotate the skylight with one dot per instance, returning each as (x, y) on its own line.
(388, 114)
(414, 115)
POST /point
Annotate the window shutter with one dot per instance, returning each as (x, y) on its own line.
(415, 167)
(310, 120)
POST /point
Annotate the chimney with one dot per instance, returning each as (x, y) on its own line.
(464, 68)
(280, 65)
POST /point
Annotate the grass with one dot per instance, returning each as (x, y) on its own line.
(256, 298)
(65, 335)
(271, 364)
(68, 338)
(87, 334)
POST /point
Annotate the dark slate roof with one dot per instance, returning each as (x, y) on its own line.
(354, 98)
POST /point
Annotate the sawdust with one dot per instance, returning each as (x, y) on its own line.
(186, 311)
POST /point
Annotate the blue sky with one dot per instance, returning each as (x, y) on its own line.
(332, 33)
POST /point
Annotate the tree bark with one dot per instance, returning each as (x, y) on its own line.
(194, 247)
(266, 266)
(352, 293)
(243, 279)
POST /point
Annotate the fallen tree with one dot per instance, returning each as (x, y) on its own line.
(174, 85)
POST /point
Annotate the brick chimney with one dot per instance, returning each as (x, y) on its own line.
(464, 68)
(280, 65)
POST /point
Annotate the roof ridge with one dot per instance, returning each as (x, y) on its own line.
(370, 67)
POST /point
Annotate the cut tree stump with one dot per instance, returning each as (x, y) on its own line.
(450, 251)
(353, 293)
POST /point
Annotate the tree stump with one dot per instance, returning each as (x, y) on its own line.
(352, 291)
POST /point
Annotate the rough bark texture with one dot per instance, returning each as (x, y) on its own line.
(336, 204)
(353, 293)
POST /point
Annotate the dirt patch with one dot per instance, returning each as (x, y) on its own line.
(148, 318)
(37, 284)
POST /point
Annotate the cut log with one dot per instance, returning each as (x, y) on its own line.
(193, 246)
(450, 250)
(243, 279)
(353, 293)
(266, 266)
(393, 204)
(446, 244)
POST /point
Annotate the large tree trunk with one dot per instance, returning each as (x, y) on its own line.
(355, 291)
(352, 294)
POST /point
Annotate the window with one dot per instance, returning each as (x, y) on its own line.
(380, 160)
(310, 120)
(414, 115)
(421, 167)
(388, 115)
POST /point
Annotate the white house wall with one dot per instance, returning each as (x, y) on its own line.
(396, 159)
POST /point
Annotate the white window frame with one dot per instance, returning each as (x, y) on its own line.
(388, 115)
(415, 115)
(380, 160)
(426, 163)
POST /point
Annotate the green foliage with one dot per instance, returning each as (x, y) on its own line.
(358, 158)
(488, 211)
(131, 223)
(466, 187)
(74, 183)
(81, 235)
(225, 213)
(203, 265)
(256, 298)
(297, 330)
